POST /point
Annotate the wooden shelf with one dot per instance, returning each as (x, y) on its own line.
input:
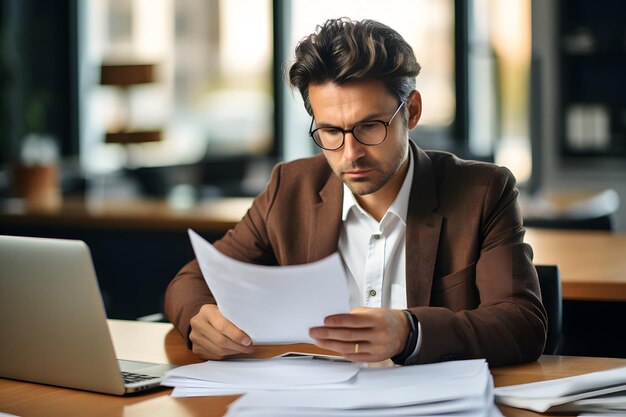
(133, 137)
(127, 74)
(217, 215)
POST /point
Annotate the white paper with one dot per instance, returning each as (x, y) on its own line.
(366, 379)
(402, 376)
(460, 408)
(541, 396)
(419, 393)
(484, 411)
(273, 304)
(260, 374)
(307, 387)
(612, 403)
(402, 393)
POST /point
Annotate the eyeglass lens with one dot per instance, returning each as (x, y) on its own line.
(369, 133)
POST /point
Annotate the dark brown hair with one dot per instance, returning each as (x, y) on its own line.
(343, 50)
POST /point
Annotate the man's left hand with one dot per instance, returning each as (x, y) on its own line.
(364, 335)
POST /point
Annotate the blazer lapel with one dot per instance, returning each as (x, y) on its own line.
(422, 231)
(325, 220)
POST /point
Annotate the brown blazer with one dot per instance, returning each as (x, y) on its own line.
(469, 277)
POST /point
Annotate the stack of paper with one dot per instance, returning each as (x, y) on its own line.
(463, 388)
(603, 392)
(311, 387)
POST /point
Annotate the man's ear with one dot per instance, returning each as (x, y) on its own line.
(414, 104)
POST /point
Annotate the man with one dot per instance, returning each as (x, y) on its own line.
(432, 245)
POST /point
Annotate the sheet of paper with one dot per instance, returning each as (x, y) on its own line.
(490, 411)
(261, 374)
(614, 403)
(402, 376)
(274, 304)
(566, 386)
(459, 408)
(541, 396)
(542, 405)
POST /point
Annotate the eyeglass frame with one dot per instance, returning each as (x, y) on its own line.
(351, 131)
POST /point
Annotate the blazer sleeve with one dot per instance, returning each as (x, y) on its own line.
(509, 324)
(248, 242)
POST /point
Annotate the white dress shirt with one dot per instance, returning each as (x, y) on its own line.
(374, 253)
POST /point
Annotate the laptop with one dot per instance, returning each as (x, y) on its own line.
(53, 327)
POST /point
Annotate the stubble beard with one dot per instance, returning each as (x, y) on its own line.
(365, 186)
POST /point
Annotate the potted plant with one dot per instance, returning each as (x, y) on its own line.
(36, 173)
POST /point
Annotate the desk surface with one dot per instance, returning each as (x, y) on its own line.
(161, 343)
(593, 264)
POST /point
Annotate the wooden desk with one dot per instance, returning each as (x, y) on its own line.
(161, 343)
(593, 264)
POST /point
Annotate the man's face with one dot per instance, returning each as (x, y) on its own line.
(364, 169)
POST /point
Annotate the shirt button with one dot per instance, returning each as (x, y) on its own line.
(373, 293)
(376, 237)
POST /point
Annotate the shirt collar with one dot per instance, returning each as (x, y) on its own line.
(400, 205)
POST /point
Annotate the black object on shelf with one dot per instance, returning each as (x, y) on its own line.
(592, 89)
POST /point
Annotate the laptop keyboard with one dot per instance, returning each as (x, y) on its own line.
(130, 377)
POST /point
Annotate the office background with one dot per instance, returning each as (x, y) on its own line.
(184, 101)
(535, 86)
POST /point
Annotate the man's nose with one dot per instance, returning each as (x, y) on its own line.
(352, 148)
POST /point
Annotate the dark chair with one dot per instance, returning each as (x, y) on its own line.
(606, 222)
(550, 284)
(594, 213)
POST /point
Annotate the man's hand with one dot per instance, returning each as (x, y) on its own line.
(381, 333)
(214, 337)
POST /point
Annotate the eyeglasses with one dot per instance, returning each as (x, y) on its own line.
(370, 133)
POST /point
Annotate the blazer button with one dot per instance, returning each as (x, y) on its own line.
(372, 293)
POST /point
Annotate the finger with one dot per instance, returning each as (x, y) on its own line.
(221, 341)
(342, 334)
(213, 316)
(366, 352)
(203, 327)
(224, 327)
(349, 320)
(207, 341)
(344, 348)
(209, 351)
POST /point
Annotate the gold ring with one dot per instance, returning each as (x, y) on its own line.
(356, 348)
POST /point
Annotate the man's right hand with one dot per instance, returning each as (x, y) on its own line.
(213, 337)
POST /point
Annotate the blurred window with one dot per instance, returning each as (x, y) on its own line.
(499, 56)
(212, 92)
